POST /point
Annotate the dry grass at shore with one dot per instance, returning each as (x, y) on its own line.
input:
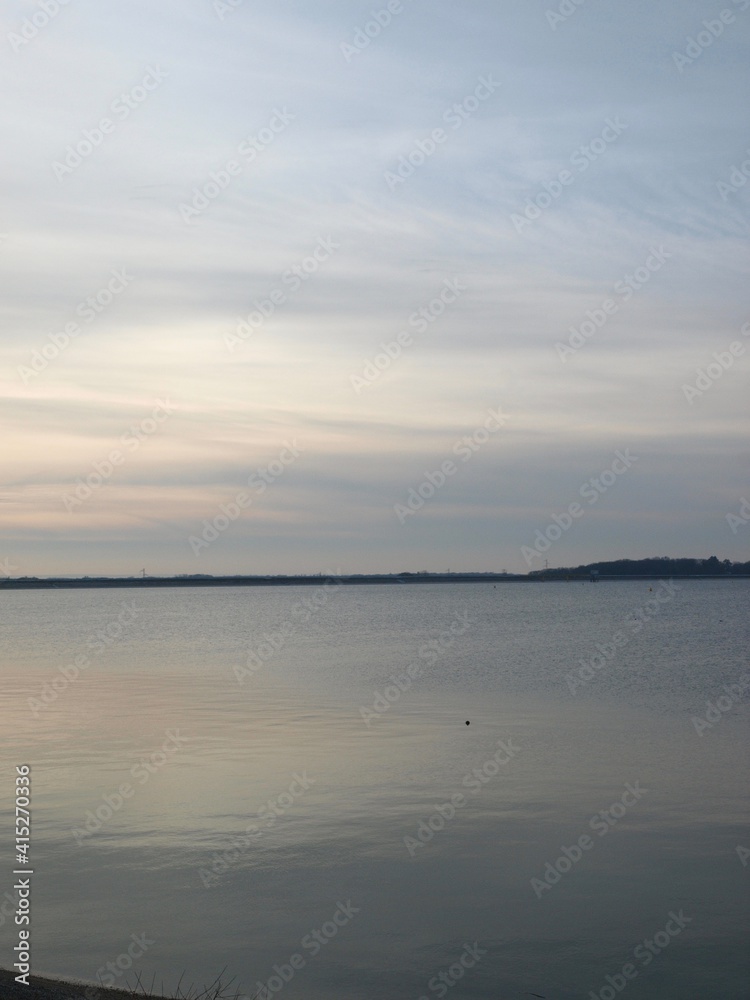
(43, 988)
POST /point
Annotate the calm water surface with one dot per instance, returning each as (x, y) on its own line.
(258, 796)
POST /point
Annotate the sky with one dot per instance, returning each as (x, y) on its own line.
(353, 287)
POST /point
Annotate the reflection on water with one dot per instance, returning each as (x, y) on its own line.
(251, 824)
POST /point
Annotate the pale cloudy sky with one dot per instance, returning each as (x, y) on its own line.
(115, 118)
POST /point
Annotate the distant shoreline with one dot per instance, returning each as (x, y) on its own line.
(404, 579)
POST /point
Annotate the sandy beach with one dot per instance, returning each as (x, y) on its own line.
(42, 988)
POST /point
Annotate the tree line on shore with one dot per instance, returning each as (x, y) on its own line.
(655, 566)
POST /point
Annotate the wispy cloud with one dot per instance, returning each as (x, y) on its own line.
(222, 82)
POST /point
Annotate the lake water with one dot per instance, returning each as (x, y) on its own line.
(232, 801)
